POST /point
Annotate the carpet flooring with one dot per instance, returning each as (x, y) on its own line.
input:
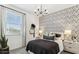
(23, 51)
(19, 51)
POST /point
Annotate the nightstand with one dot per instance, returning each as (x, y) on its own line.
(71, 46)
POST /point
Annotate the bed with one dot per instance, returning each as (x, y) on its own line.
(43, 46)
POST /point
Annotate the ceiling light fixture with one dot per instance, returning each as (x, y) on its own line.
(40, 11)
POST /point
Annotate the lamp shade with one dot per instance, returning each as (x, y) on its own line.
(67, 32)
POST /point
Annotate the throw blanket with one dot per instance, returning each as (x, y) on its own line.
(40, 46)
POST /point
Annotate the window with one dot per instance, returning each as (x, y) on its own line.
(13, 22)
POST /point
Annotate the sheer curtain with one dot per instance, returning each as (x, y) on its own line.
(13, 24)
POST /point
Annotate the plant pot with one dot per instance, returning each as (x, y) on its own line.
(4, 50)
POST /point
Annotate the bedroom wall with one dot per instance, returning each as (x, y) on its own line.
(66, 19)
(16, 41)
(0, 19)
(31, 19)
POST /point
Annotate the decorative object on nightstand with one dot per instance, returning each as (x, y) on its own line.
(74, 38)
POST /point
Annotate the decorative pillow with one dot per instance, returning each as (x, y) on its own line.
(48, 37)
(51, 37)
(57, 35)
(51, 34)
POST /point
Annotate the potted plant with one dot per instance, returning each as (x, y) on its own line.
(4, 47)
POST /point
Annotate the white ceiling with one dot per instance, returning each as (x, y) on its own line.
(50, 7)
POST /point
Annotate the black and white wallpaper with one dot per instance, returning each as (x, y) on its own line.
(66, 19)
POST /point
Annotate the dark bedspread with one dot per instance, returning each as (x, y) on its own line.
(40, 46)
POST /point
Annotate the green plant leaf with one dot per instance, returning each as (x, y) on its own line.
(3, 41)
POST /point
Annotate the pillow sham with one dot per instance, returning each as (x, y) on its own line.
(57, 35)
(48, 37)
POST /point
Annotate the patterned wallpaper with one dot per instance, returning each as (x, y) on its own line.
(67, 19)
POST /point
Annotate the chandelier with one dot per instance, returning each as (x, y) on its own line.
(40, 11)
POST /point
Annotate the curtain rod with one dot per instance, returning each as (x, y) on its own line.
(12, 9)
